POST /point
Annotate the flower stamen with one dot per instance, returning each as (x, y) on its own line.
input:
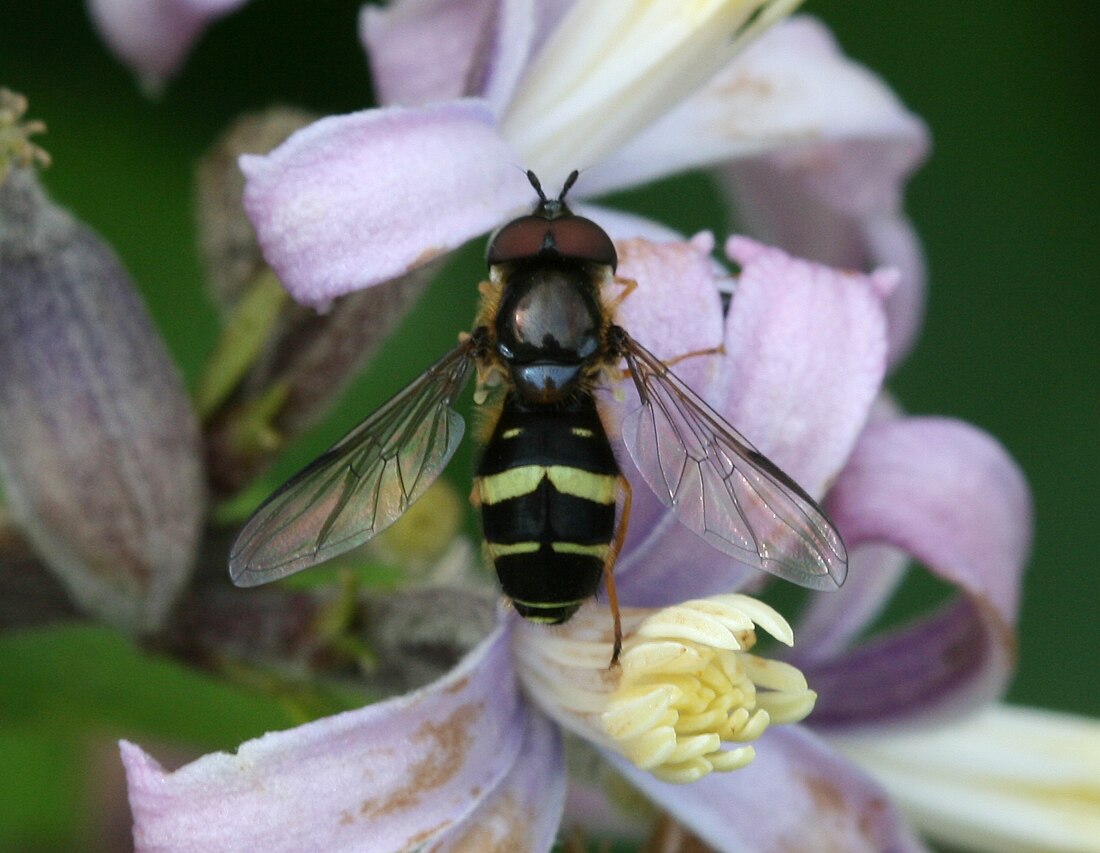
(686, 689)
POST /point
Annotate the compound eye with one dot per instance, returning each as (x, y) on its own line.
(519, 239)
(583, 240)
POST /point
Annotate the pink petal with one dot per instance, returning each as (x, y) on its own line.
(806, 348)
(503, 53)
(153, 37)
(676, 309)
(805, 355)
(425, 51)
(790, 201)
(525, 810)
(832, 621)
(798, 794)
(355, 200)
(385, 777)
(950, 496)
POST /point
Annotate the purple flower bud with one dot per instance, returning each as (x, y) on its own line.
(99, 449)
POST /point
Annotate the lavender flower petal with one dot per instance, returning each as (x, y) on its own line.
(793, 200)
(798, 794)
(950, 496)
(387, 777)
(830, 622)
(153, 37)
(807, 351)
(408, 185)
(478, 48)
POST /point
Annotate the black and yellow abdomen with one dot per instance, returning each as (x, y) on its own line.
(547, 486)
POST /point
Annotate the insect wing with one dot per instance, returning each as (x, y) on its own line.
(723, 488)
(362, 484)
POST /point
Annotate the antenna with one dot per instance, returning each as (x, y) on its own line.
(533, 178)
(572, 179)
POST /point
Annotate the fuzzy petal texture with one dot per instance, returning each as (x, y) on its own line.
(355, 200)
(805, 356)
(797, 794)
(477, 48)
(951, 497)
(153, 37)
(385, 777)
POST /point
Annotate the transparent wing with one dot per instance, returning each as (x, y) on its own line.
(362, 484)
(723, 488)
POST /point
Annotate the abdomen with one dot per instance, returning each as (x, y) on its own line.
(548, 482)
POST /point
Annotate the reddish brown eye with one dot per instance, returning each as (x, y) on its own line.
(521, 238)
(583, 240)
(572, 237)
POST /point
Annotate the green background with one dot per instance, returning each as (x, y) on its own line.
(1006, 208)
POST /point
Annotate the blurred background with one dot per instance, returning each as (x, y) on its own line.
(1006, 208)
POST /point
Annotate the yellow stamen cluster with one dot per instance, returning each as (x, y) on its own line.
(687, 684)
(16, 149)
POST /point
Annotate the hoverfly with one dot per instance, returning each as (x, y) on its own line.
(548, 482)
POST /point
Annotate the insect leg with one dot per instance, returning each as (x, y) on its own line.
(718, 350)
(609, 570)
(629, 285)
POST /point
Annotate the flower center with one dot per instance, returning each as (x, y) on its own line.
(687, 687)
(612, 67)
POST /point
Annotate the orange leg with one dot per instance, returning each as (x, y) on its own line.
(718, 350)
(609, 574)
(629, 286)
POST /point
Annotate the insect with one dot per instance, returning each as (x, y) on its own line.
(548, 484)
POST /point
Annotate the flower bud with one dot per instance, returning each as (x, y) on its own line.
(99, 449)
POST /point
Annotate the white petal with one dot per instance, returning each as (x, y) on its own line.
(792, 89)
(1005, 780)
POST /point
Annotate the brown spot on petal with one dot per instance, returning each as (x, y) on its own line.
(670, 837)
(826, 795)
(449, 743)
(458, 686)
(871, 817)
(497, 829)
(836, 823)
